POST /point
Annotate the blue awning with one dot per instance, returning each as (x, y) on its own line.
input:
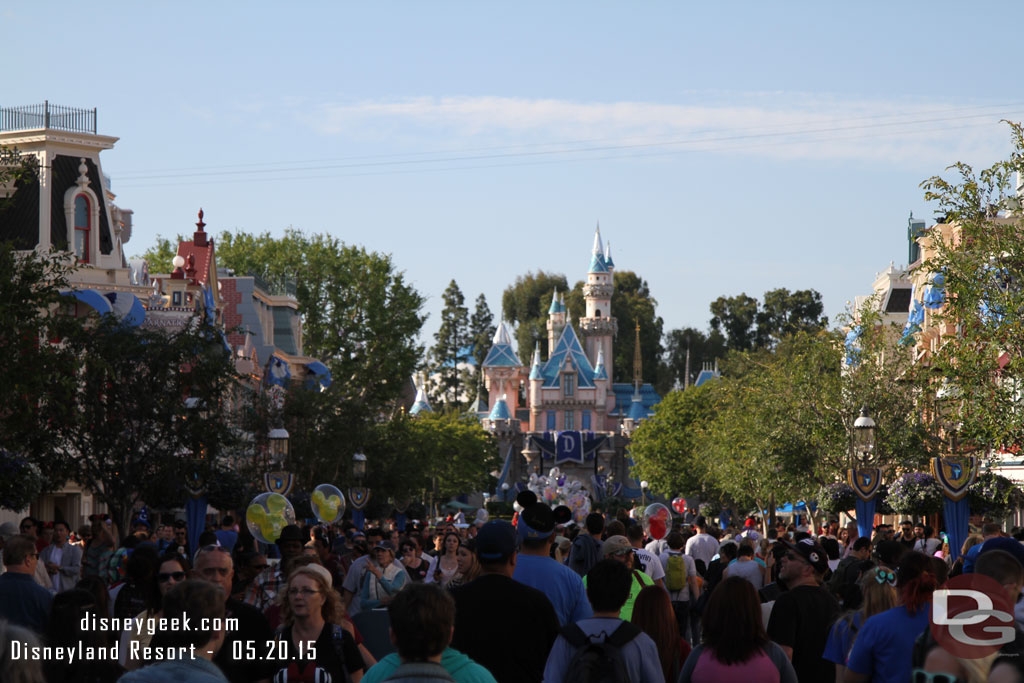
(321, 375)
(127, 307)
(90, 297)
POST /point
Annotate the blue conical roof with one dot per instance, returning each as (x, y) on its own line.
(599, 371)
(500, 410)
(421, 404)
(535, 370)
(568, 349)
(502, 355)
(556, 303)
(597, 262)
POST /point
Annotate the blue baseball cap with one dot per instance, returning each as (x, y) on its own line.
(496, 541)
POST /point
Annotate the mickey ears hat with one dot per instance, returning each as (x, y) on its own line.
(811, 551)
(537, 521)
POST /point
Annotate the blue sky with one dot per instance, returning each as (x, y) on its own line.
(724, 148)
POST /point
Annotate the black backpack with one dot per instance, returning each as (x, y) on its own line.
(598, 662)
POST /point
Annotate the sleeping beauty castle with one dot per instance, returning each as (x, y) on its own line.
(564, 410)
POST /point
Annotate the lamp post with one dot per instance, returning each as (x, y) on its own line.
(643, 493)
(359, 467)
(278, 439)
(864, 438)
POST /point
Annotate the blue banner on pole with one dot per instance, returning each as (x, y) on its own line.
(569, 447)
(957, 515)
(195, 517)
(865, 517)
(358, 518)
(400, 521)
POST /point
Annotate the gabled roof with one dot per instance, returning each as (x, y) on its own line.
(502, 354)
(568, 351)
(624, 394)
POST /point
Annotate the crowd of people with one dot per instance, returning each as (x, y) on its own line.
(542, 599)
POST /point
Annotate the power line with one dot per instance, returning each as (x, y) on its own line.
(279, 166)
(723, 148)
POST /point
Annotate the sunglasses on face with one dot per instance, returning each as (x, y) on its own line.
(164, 577)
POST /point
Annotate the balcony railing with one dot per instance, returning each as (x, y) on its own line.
(49, 116)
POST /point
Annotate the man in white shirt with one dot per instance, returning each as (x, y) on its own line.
(702, 545)
(643, 560)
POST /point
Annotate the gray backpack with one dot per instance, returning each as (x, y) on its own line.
(419, 672)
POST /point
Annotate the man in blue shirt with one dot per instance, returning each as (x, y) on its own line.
(23, 601)
(536, 568)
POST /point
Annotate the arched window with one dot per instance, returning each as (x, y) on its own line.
(83, 225)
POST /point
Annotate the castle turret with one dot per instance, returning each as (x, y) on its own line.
(556, 319)
(503, 371)
(598, 325)
(536, 382)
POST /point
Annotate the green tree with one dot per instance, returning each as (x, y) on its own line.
(667, 447)
(481, 330)
(632, 303)
(977, 249)
(149, 409)
(159, 256)
(38, 374)
(703, 348)
(734, 317)
(783, 313)
(526, 304)
(441, 454)
(452, 338)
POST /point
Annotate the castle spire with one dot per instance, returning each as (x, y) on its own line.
(598, 249)
(535, 372)
(554, 301)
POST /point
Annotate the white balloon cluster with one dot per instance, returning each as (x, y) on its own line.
(556, 489)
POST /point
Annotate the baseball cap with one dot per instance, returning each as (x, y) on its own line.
(496, 540)
(384, 545)
(613, 545)
(8, 529)
(810, 550)
(750, 522)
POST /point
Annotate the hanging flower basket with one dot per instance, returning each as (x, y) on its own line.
(709, 510)
(882, 506)
(993, 495)
(916, 493)
(836, 498)
(20, 481)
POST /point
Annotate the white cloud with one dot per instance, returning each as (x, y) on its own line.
(777, 125)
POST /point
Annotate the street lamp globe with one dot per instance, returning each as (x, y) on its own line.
(864, 436)
(358, 466)
(278, 439)
(645, 484)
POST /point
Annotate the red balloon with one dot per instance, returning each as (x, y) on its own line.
(679, 505)
(657, 520)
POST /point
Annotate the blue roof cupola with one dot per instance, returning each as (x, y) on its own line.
(502, 355)
(637, 411)
(421, 405)
(535, 369)
(599, 371)
(568, 351)
(608, 255)
(597, 262)
(500, 410)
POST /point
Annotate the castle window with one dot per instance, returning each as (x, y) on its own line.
(570, 420)
(83, 225)
(585, 422)
(597, 313)
(568, 383)
(551, 421)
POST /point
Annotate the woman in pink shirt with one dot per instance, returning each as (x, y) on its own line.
(735, 647)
